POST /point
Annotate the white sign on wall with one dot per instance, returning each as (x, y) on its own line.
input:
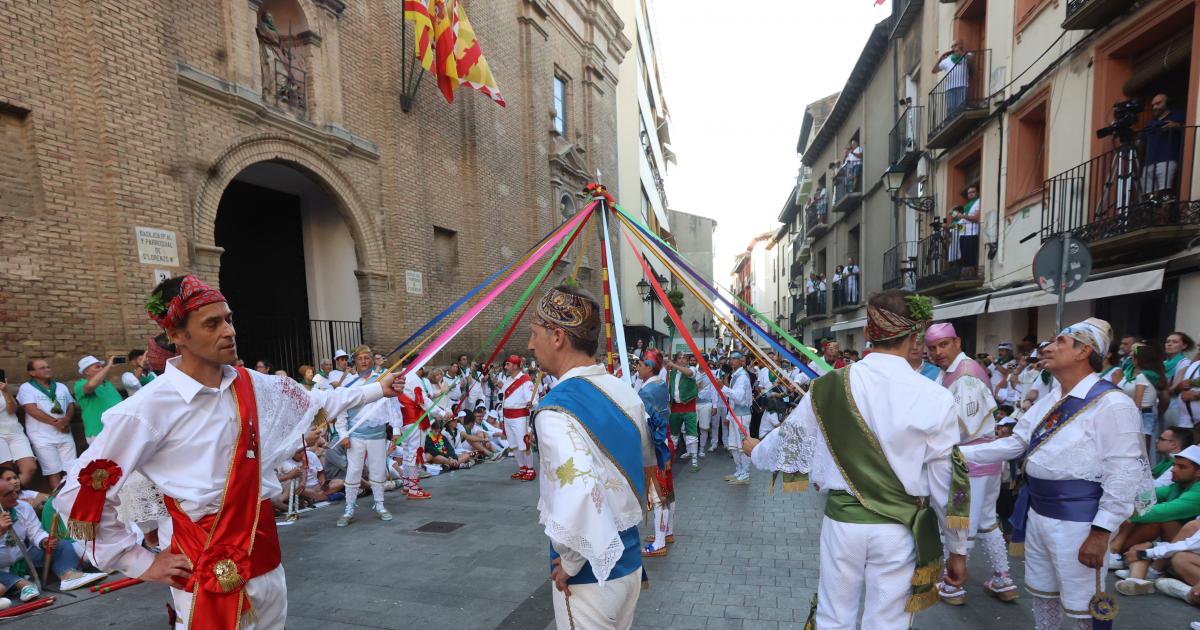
(156, 247)
(160, 276)
(414, 282)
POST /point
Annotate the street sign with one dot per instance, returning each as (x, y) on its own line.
(1049, 264)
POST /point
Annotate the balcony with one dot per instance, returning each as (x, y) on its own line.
(796, 271)
(816, 219)
(900, 266)
(1088, 14)
(904, 141)
(947, 263)
(815, 305)
(287, 87)
(1131, 202)
(846, 293)
(960, 100)
(847, 187)
(904, 13)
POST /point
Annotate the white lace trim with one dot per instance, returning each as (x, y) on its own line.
(140, 500)
(795, 450)
(602, 555)
(1133, 481)
(285, 412)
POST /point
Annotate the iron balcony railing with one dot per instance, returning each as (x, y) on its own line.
(816, 216)
(847, 183)
(287, 343)
(900, 266)
(290, 88)
(815, 304)
(1145, 181)
(962, 90)
(1083, 14)
(947, 255)
(846, 292)
(904, 141)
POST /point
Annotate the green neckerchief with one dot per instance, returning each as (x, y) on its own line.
(1127, 368)
(324, 374)
(876, 494)
(957, 58)
(146, 378)
(1045, 377)
(1171, 363)
(50, 393)
(19, 567)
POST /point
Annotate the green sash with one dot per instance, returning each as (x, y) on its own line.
(876, 494)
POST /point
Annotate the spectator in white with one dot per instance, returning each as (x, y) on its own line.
(317, 487)
(380, 368)
(851, 272)
(968, 233)
(326, 368)
(139, 373)
(18, 521)
(263, 366)
(1150, 561)
(1142, 384)
(1177, 365)
(852, 166)
(341, 368)
(95, 394)
(14, 446)
(476, 436)
(839, 288)
(455, 381)
(1163, 137)
(955, 63)
(637, 351)
(49, 408)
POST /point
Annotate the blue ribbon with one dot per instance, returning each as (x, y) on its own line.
(679, 262)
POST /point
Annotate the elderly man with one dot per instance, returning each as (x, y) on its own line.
(49, 408)
(970, 385)
(740, 395)
(1085, 471)
(209, 435)
(880, 439)
(95, 394)
(595, 450)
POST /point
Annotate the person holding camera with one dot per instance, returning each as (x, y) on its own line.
(1163, 137)
(95, 393)
(957, 78)
(140, 373)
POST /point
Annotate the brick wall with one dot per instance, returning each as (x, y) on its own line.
(120, 137)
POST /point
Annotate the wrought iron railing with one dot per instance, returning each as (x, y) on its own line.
(904, 141)
(847, 182)
(846, 291)
(288, 343)
(815, 303)
(289, 89)
(962, 88)
(900, 266)
(1145, 181)
(817, 214)
(1092, 13)
(946, 256)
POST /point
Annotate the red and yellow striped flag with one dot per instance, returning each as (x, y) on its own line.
(447, 47)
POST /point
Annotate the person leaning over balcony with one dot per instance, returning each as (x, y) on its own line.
(957, 78)
(1163, 136)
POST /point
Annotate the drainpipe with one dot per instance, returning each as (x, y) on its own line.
(999, 177)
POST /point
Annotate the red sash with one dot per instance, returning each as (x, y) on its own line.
(414, 408)
(516, 412)
(521, 380)
(229, 548)
(684, 407)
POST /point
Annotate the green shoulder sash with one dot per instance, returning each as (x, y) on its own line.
(876, 493)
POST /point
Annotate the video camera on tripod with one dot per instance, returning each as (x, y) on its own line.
(1125, 116)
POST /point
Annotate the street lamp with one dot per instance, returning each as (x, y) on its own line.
(893, 181)
(703, 329)
(647, 295)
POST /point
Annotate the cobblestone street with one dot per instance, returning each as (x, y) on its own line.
(743, 559)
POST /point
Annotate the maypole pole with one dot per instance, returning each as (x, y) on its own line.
(608, 316)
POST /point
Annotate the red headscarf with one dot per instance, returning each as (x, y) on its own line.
(193, 294)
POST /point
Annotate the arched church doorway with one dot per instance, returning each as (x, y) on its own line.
(287, 267)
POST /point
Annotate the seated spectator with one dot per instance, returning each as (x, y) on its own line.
(454, 432)
(475, 433)
(1171, 440)
(14, 446)
(48, 411)
(18, 521)
(316, 486)
(139, 374)
(1177, 504)
(287, 471)
(440, 452)
(95, 394)
(1148, 563)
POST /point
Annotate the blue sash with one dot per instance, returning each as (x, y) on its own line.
(619, 439)
(654, 396)
(1068, 499)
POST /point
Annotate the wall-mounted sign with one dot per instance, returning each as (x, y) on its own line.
(414, 282)
(160, 276)
(156, 247)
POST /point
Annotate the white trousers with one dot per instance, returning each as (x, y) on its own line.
(268, 596)
(704, 414)
(516, 429)
(1052, 568)
(857, 558)
(607, 606)
(984, 492)
(54, 456)
(410, 443)
(375, 453)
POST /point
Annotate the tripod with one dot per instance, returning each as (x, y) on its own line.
(1122, 171)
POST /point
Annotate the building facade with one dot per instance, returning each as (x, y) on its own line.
(694, 236)
(993, 108)
(266, 147)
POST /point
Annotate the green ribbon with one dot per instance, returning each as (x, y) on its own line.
(876, 495)
(20, 567)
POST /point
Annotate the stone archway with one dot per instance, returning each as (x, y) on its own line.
(372, 279)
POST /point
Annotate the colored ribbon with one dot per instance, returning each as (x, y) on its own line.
(618, 328)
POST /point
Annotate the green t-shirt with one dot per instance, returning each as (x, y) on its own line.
(94, 405)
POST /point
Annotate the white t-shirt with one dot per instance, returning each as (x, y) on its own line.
(1149, 394)
(957, 72)
(335, 376)
(854, 156)
(37, 430)
(314, 467)
(8, 421)
(970, 228)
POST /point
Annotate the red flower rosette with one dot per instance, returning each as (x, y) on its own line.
(223, 569)
(94, 482)
(597, 191)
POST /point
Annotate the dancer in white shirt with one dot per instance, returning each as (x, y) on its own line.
(879, 438)
(367, 441)
(518, 399)
(212, 453)
(1085, 473)
(740, 395)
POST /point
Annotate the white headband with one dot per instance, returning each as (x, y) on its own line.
(1088, 333)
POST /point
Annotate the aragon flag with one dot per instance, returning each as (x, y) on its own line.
(447, 47)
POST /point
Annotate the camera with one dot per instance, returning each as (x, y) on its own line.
(1125, 116)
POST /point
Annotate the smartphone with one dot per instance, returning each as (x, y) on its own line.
(119, 360)
(3, 377)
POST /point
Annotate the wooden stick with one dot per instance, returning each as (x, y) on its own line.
(118, 582)
(21, 609)
(116, 587)
(48, 558)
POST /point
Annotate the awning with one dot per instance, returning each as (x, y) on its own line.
(852, 324)
(962, 308)
(1091, 290)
